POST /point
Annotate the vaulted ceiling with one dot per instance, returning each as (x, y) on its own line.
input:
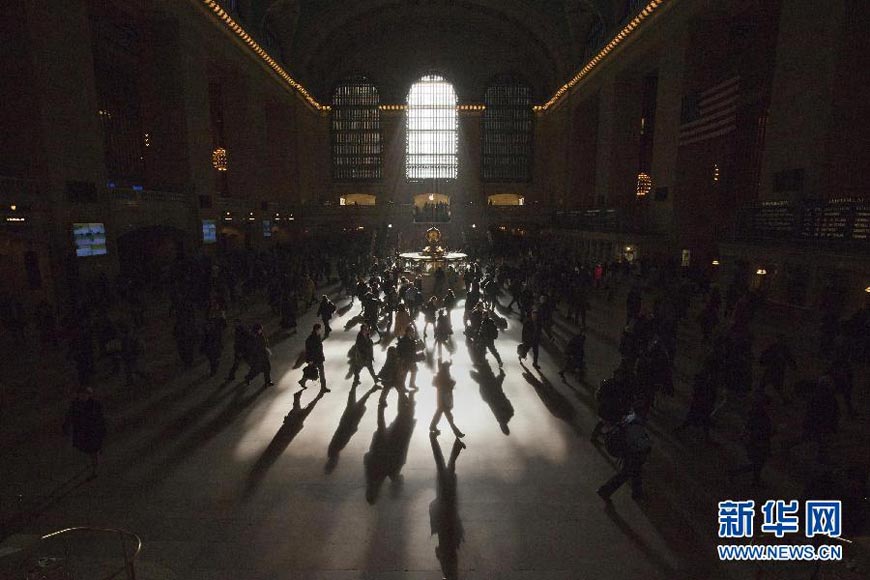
(394, 42)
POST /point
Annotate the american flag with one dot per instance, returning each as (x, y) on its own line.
(710, 113)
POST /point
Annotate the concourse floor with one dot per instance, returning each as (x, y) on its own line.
(219, 485)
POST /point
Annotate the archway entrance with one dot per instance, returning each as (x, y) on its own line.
(357, 199)
(510, 199)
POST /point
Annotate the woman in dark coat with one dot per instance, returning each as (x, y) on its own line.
(87, 425)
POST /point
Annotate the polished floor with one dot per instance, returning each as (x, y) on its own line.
(227, 481)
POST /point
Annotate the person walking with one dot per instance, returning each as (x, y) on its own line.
(213, 343)
(259, 357)
(131, 348)
(575, 355)
(532, 336)
(86, 425)
(486, 337)
(444, 384)
(635, 450)
(241, 349)
(430, 311)
(403, 320)
(757, 434)
(325, 312)
(406, 347)
(314, 357)
(775, 359)
(364, 354)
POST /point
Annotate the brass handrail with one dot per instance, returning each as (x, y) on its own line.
(129, 560)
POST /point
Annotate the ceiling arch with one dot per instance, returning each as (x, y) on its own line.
(393, 42)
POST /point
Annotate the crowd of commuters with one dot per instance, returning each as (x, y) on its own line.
(549, 290)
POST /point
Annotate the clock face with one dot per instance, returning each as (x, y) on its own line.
(433, 235)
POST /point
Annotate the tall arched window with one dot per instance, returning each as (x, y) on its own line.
(356, 131)
(432, 130)
(507, 132)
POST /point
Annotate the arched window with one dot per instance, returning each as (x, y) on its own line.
(432, 130)
(356, 131)
(507, 132)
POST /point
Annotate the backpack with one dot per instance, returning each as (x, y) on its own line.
(488, 330)
(610, 397)
(616, 442)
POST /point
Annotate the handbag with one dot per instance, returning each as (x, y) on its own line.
(310, 372)
(522, 350)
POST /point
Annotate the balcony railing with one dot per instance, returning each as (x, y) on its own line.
(75, 553)
(845, 220)
(596, 220)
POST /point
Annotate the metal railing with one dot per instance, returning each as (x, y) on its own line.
(82, 553)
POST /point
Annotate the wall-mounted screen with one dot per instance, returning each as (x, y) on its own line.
(267, 228)
(90, 239)
(209, 231)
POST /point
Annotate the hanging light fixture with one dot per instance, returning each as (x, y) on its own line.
(219, 159)
(644, 184)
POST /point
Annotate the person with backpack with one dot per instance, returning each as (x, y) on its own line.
(630, 442)
(325, 312)
(613, 399)
(486, 337)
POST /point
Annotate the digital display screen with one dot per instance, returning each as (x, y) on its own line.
(90, 239)
(209, 231)
(267, 228)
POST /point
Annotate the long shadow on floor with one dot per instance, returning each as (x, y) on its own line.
(636, 539)
(292, 426)
(180, 424)
(389, 448)
(347, 426)
(556, 403)
(492, 393)
(444, 517)
(233, 409)
(31, 508)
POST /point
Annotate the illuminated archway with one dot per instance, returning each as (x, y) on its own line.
(357, 199)
(506, 199)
